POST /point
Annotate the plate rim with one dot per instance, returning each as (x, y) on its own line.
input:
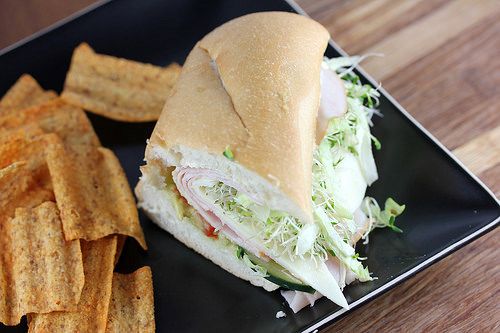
(321, 323)
(436, 257)
(331, 43)
(53, 26)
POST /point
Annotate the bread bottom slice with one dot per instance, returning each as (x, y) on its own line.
(161, 211)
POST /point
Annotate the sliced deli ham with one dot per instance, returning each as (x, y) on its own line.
(190, 181)
(185, 178)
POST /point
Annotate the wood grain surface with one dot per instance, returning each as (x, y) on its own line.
(442, 63)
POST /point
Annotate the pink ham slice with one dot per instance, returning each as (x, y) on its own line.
(333, 102)
(297, 300)
(185, 176)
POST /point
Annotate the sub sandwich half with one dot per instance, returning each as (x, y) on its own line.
(262, 156)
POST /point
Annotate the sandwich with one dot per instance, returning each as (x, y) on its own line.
(262, 155)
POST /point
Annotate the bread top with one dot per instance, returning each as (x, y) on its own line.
(253, 85)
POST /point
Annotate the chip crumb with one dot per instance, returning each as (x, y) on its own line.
(280, 314)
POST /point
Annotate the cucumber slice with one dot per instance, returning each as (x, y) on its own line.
(276, 273)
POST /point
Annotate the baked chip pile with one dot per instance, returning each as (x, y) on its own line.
(65, 211)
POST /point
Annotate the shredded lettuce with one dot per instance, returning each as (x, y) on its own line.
(241, 254)
(306, 238)
(343, 167)
(381, 218)
(340, 248)
(261, 271)
(278, 231)
(228, 153)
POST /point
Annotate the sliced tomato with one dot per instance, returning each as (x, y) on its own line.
(210, 231)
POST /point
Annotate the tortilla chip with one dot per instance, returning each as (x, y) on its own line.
(29, 132)
(132, 306)
(117, 88)
(39, 271)
(22, 187)
(24, 93)
(5, 172)
(56, 116)
(20, 147)
(92, 311)
(25, 179)
(92, 193)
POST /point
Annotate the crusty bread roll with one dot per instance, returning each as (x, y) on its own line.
(252, 85)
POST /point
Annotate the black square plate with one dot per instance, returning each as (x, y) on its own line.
(446, 205)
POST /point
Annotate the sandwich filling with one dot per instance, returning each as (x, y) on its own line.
(314, 258)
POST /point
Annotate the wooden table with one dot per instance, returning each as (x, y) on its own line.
(442, 63)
